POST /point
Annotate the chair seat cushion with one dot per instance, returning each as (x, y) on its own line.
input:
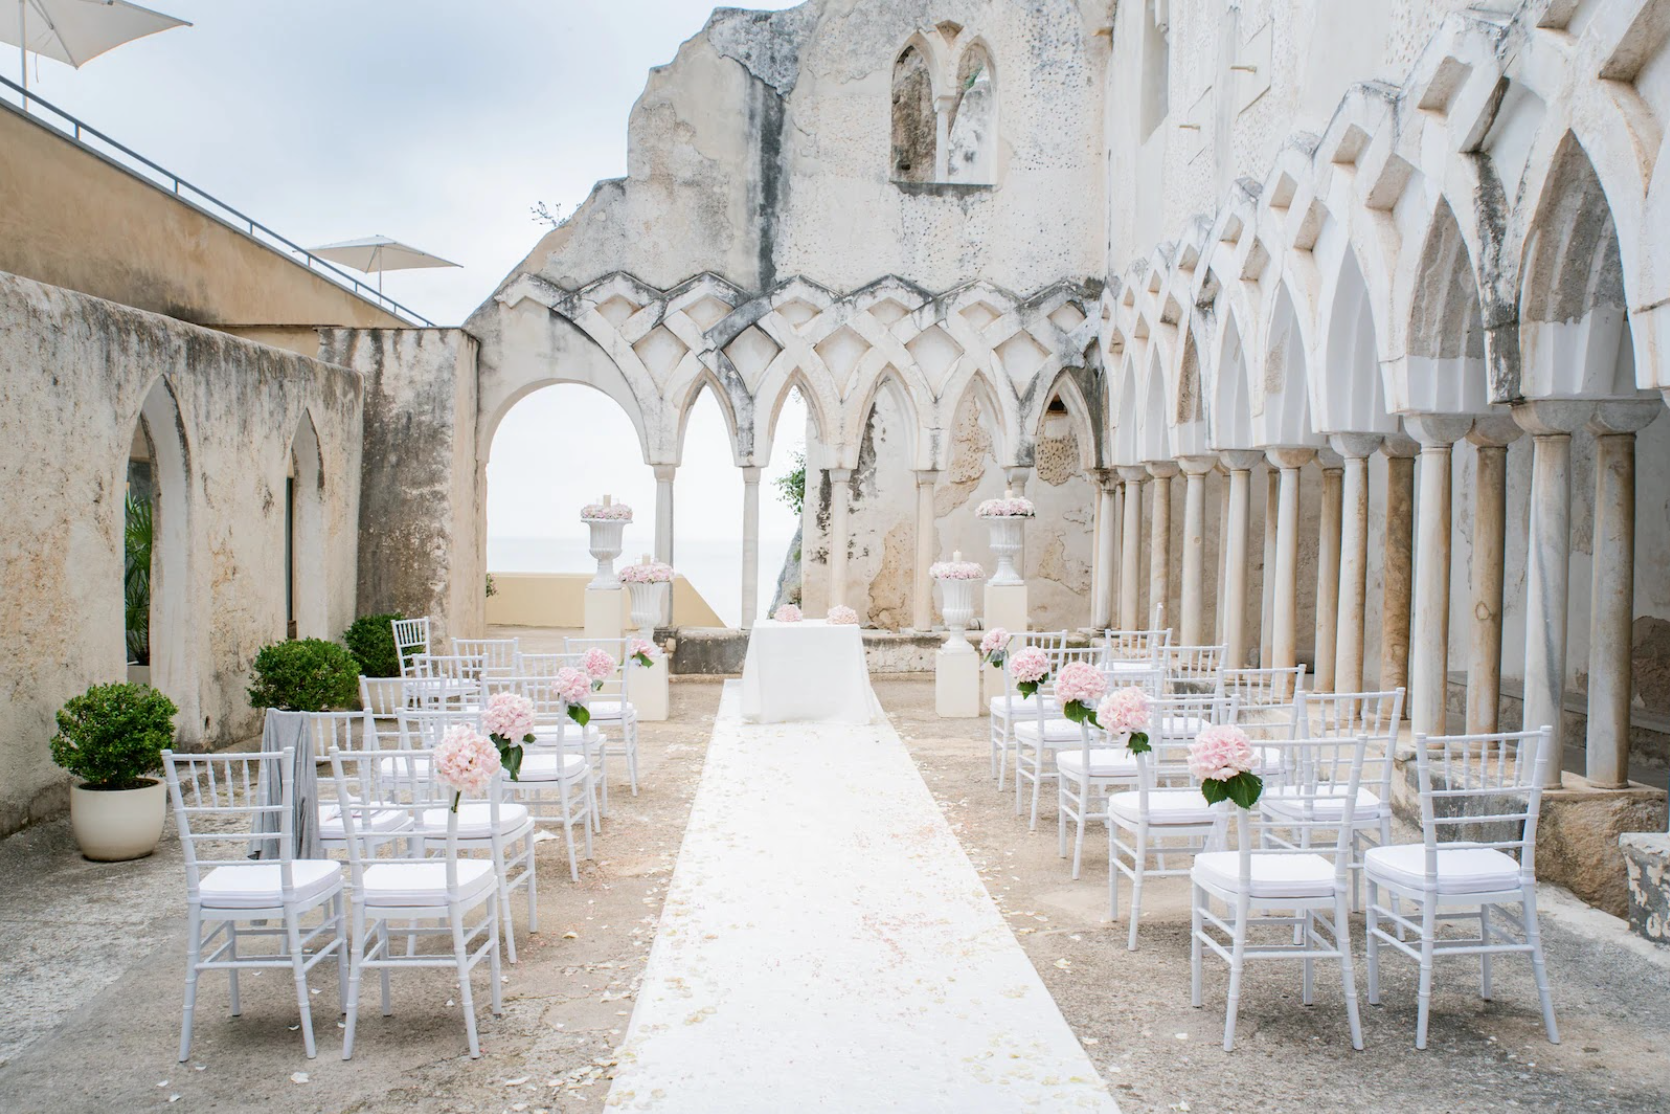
(610, 710)
(1283, 800)
(1023, 706)
(550, 766)
(1055, 730)
(260, 885)
(572, 734)
(423, 882)
(1165, 806)
(371, 821)
(1461, 870)
(1272, 875)
(1104, 762)
(475, 821)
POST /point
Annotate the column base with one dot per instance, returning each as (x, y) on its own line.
(956, 685)
(605, 612)
(650, 687)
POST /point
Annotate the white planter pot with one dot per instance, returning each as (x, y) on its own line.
(605, 547)
(957, 604)
(649, 604)
(113, 825)
(1007, 535)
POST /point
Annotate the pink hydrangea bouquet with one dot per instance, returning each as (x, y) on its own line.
(465, 762)
(1030, 668)
(1126, 713)
(788, 613)
(574, 686)
(1008, 507)
(599, 665)
(956, 570)
(509, 719)
(1079, 687)
(655, 572)
(1222, 759)
(606, 512)
(645, 652)
(995, 647)
(842, 616)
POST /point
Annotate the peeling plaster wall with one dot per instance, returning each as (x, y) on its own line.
(74, 371)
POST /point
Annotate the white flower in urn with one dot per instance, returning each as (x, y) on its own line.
(842, 616)
(606, 511)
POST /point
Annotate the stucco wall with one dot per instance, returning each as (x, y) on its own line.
(74, 372)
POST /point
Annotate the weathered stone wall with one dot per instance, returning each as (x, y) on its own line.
(74, 373)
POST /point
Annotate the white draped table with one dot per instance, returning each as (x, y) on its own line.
(807, 672)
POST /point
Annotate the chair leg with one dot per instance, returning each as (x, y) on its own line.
(632, 756)
(1078, 841)
(1037, 788)
(1195, 949)
(292, 932)
(1373, 941)
(356, 963)
(1307, 976)
(341, 904)
(1020, 775)
(1533, 936)
(495, 996)
(386, 1001)
(1348, 975)
(533, 883)
(232, 972)
(1061, 819)
(466, 996)
(568, 832)
(1484, 956)
(1237, 961)
(1139, 860)
(588, 844)
(1113, 871)
(1429, 938)
(194, 951)
(504, 905)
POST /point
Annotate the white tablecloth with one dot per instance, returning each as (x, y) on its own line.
(806, 672)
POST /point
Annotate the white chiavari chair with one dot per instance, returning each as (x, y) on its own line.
(411, 637)
(1006, 709)
(557, 779)
(611, 707)
(498, 655)
(1044, 733)
(1194, 668)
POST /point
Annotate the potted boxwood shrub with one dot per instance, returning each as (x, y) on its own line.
(304, 675)
(111, 738)
(371, 640)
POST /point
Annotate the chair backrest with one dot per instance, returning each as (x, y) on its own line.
(1174, 721)
(498, 655)
(411, 636)
(381, 780)
(423, 728)
(1482, 791)
(336, 729)
(1063, 656)
(1136, 645)
(219, 800)
(1151, 679)
(1269, 699)
(540, 664)
(615, 685)
(1318, 796)
(383, 696)
(463, 668)
(1192, 666)
(1374, 715)
(552, 725)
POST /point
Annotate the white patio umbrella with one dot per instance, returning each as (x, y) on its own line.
(76, 31)
(376, 254)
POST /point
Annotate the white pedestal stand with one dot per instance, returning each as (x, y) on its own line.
(650, 687)
(956, 665)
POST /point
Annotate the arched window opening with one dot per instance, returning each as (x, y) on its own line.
(1156, 65)
(973, 126)
(707, 528)
(783, 505)
(154, 536)
(304, 536)
(914, 124)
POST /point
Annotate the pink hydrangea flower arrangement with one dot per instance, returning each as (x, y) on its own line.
(465, 762)
(1030, 668)
(956, 570)
(509, 719)
(994, 647)
(655, 572)
(575, 688)
(1079, 687)
(1222, 759)
(788, 613)
(1126, 713)
(842, 616)
(599, 665)
(606, 512)
(1007, 507)
(645, 652)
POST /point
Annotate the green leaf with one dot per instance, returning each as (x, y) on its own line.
(1138, 743)
(1214, 791)
(1244, 789)
(579, 713)
(1080, 713)
(370, 638)
(644, 660)
(1027, 688)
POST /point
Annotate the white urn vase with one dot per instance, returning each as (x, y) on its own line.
(1007, 534)
(649, 604)
(605, 547)
(957, 604)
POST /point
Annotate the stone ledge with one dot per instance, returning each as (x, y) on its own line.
(1647, 859)
(719, 651)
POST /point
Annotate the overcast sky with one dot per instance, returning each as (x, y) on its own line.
(439, 123)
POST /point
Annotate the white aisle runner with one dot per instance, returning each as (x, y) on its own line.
(827, 945)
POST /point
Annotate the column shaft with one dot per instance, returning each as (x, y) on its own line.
(1266, 615)
(1106, 512)
(1327, 577)
(1484, 643)
(1612, 611)
(1129, 588)
(1547, 579)
(1284, 636)
(1397, 571)
(1429, 673)
(1159, 555)
(750, 545)
(1353, 576)
(1194, 558)
(1236, 567)
(922, 590)
(664, 525)
(838, 500)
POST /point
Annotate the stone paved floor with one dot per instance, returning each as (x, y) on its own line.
(91, 957)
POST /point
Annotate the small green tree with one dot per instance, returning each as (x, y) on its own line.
(371, 640)
(306, 675)
(113, 736)
(791, 488)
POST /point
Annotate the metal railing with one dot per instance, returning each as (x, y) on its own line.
(126, 158)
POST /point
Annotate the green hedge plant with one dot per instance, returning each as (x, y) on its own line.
(371, 640)
(112, 736)
(305, 675)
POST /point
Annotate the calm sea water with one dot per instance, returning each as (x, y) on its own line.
(713, 566)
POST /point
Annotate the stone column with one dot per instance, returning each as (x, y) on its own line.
(839, 478)
(1327, 569)
(1399, 560)
(1159, 537)
(1266, 622)
(922, 585)
(1222, 569)
(1429, 673)
(1192, 627)
(1116, 558)
(1548, 565)
(1101, 612)
(1491, 437)
(1130, 592)
(664, 525)
(1612, 592)
(1284, 638)
(750, 545)
(1236, 566)
(1354, 448)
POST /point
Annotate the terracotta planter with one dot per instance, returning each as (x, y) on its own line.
(113, 825)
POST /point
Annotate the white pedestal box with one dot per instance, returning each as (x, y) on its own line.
(605, 612)
(957, 684)
(1005, 607)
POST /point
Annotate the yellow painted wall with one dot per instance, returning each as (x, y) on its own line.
(526, 599)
